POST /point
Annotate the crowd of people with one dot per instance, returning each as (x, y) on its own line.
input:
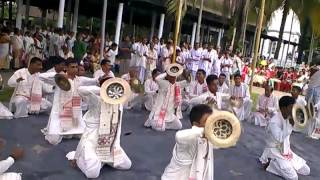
(201, 75)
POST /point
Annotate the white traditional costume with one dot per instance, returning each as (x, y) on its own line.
(134, 55)
(283, 161)
(166, 111)
(135, 98)
(66, 114)
(150, 89)
(196, 57)
(223, 88)
(226, 70)
(266, 108)
(142, 61)
(152, 57)
(208, 57)
(99, 73)
(5, 113)
(216, 66)
(192, 157)
(100, 143)
(219, 98)
(313, 94)
(27, 96)
(195, 89)
(4, 166)
(17, 49)
(165, 57)
(242, 92)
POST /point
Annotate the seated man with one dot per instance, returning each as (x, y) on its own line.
(166, 111)
(199, 86)
(296, 94)
(132, 78)
(277, 157)
(192, 155)
(99, 145)
(266, 107)
(222, 86)
(65, 119)
(16, 154)
(150, 89)
(212, 96)
(28, 95)
(240, 92)
(105, 70)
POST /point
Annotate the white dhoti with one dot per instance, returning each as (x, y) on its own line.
(4, 112)
(87, 159)
(243, 113)
(288, 168)
(10, 176)
(149, 101)
(260, 119)
(21, 106)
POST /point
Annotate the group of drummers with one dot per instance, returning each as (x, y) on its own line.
(215, 104)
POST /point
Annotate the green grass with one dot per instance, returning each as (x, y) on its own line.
(254, 98)
(5, 94)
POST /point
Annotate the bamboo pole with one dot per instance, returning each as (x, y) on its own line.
(177, 30)
(257, 43)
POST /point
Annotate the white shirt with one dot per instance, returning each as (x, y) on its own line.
(226, 61)
(150, 86)
(99, 73)
(111, 54)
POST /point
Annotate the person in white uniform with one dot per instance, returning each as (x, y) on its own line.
(192, 156)
(150, 89)
(66, 115)
(296, 92)
(222, 86)
(278, 158)
(27, 97)
(136, 98)
(199, 86)
(99, 145)
(212, 96)
(105, 70)
(166, 111)
(226, 66)
(240, 92)
(208, 57)
(196, 55)
(267, 106)
(16, 154)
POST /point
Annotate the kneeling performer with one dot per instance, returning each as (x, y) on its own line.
(100, 143)
(277, 157)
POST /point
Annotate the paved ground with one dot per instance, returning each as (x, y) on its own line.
(149, 151)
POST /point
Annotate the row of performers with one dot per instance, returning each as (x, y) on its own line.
(101, 125)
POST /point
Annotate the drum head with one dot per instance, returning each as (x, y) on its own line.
(115, 91)
(174, 70)
(62, 82)
(223, 129)
(300, 116)
(311, 109)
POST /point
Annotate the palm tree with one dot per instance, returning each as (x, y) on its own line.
(296, 6)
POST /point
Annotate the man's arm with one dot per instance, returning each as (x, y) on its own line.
(189, 136)
(48, 78)
(198, 100)
(6, 164)
(12, 82)
(85, 81)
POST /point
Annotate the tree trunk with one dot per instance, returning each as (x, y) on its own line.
(2, 9)
(10, 11)
(303, 41)
(259, 27)
(244, 14)
(285, 13)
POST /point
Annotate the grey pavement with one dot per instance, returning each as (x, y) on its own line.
(148, 150)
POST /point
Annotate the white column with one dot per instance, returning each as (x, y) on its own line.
(119, 22)
(193, 36)
(103, 28)
(161, 26)
(75, 16)
(219, 38)
(199, 22)
(61, 14)
(153, 23)
(19, 14)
